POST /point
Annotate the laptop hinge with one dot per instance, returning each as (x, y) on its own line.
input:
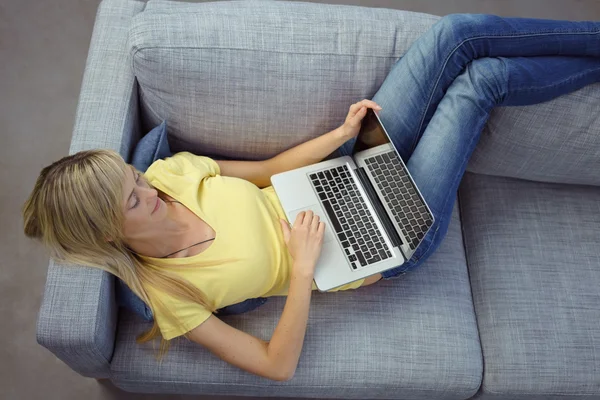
(379, 209)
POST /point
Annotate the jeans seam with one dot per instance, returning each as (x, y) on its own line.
(468, 40)
(567, 80)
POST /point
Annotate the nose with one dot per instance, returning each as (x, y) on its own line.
(150, 193)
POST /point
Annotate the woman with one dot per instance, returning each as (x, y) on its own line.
(164, 233)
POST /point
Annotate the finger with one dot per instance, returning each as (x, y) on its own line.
(308, 217)
(315, 223)
(360, 115)
(355, 107)
(321, 230)
(371, 104)
(299, 218)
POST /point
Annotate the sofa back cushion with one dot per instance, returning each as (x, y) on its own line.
(249, 79)
(555, 141)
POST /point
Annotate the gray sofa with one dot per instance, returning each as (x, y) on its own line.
(507, 308)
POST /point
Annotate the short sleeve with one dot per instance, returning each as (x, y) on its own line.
(189, 314)
(184, 163)
(182, 174)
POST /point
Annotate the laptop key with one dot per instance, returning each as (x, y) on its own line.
(332, 216)
(361, 258)
(374, 259)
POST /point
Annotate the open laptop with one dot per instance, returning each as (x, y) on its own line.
(374, 214)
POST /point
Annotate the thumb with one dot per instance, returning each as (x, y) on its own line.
(360, 114)
(285, 227)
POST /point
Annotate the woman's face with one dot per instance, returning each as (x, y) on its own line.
(144, 210)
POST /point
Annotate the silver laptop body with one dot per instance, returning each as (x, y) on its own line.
(375, 215)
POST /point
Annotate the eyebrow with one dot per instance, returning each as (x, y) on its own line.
(129, 198)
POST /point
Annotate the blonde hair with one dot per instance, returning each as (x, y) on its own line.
(75, 210)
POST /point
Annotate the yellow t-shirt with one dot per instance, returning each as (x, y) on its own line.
(248, 258)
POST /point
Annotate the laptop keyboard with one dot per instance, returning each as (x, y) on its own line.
(402, 197)
(352, 222)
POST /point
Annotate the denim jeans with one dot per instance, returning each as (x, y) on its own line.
(438, 96)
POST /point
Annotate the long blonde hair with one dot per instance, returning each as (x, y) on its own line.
(75, 210)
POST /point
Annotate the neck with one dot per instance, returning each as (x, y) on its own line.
(162, 240)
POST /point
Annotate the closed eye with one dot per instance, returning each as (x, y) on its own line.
(137, 200)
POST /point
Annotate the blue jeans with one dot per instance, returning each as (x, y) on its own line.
(438, 96)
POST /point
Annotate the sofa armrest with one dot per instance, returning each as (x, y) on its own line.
(78, 315)
(77, 320)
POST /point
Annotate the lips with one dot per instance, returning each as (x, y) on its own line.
(157, 205)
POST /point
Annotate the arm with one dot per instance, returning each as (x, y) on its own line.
(276, 359)
(307, 153)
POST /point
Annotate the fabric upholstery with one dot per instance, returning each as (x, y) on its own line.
(556, 141)
(239, 79)
(77, 319)
(534, 263)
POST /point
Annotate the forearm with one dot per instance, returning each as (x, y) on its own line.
(288, 338)
(307, 153)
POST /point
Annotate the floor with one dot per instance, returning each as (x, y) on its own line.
(43, 48)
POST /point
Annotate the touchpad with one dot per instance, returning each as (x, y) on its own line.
(318, 210)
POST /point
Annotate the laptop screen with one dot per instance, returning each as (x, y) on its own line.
(371, 133)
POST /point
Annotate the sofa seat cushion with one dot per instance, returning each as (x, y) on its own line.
(534, 260)
(249, 79)
(413, 338)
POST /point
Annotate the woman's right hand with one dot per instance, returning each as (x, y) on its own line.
(304, 240)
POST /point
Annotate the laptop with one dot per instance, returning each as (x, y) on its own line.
(375, 216)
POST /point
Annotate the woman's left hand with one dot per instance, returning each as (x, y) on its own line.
(357, 112)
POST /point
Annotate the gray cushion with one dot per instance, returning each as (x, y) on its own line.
(412, 338)
(556, 141)
(250, 79)
(534, 262)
